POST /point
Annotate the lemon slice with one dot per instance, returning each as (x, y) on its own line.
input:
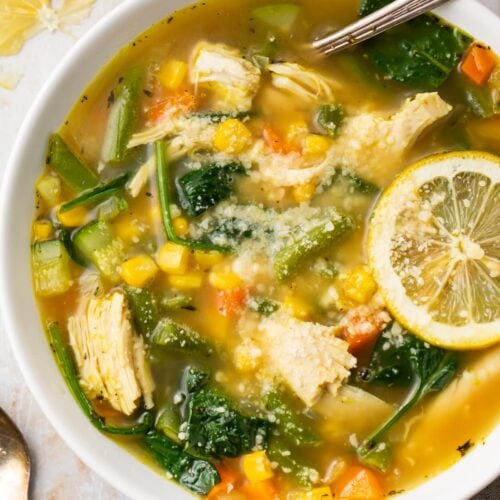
(434, 249)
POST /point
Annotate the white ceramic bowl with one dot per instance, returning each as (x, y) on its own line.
(19, 312)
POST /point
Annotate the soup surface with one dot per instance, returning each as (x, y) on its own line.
(200, 253)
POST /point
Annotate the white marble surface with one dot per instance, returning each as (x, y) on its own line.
(57, 473)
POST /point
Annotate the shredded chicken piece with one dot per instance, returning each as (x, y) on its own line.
(110, 357)
(302, 82)
(221, 68)
(363, 320)
(141, 177)
(373, 145)
(306, 355)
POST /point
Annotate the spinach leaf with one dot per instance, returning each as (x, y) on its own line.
(431, 369)
(330, 118)
(230, 230)
(196, 474)
(292, 464)
(290, 421)
(369, 6)
(202, 189)
(421, 52)
(213, 426)
(355, 183)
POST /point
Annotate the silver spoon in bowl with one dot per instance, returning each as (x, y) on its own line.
(371, 25)
(14, 461)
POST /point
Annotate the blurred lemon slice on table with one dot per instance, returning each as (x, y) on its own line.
(434, 249)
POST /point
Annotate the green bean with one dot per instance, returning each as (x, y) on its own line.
(123, 116)
(97, 194)
(162, 175)
(288, 260)
(144, 308)
(67, 367)
(70, 169)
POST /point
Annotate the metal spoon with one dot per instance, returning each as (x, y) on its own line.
(14, 461)
(377, 22)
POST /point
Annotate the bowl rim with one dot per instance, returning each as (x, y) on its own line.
(106, 458)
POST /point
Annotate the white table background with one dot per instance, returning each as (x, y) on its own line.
(57, 474)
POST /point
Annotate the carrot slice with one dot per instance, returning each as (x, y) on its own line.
(228, 482)
(183, 100)
(359, 483)
(230, 302)
(478, 64)
(276, 143)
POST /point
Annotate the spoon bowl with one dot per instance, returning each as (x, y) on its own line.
(14, 461)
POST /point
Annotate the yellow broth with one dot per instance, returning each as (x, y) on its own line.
(424, 442)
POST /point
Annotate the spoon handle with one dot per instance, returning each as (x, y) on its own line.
(14, 461)
(377, 22)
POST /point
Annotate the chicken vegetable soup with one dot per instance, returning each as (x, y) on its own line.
(269, 274)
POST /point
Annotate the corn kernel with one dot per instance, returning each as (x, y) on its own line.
(224, 281)
(297, 307)
(128, 229)
(73, 218)
(316, 145)
(173, 258)
(42, 230)
(172, 74)
(257, 467)
(208, 259)
(358, 285)
(139, 271)
(181, 226)
(188, 281)
(232, 136)
(323, 493)
(304, 192)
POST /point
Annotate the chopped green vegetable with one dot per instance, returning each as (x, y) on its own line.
(144, 309)
(49, 188)
(355, 183)
(302, 472)
(289, 259)
(292, 425)
(97, 194)
(51, 267)
(97, 243)
(162, 175)
(281, 17)
(178, 302)
(123, 116)
(213, 426)
(207, 186)
(263, 306)
(169, 421)
(112, 207)
(420, 53)
(230, 229)
(220, 116)
(170, 334)
(196, 474)
(74, 173)
(329, 118)
(431, 369)
(67, 367)
(64, 235)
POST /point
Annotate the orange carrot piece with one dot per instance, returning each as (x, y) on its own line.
(230, 302)
(359, 483)
(183, 100)
(276, 143)
(478, 64)
(229, 480)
